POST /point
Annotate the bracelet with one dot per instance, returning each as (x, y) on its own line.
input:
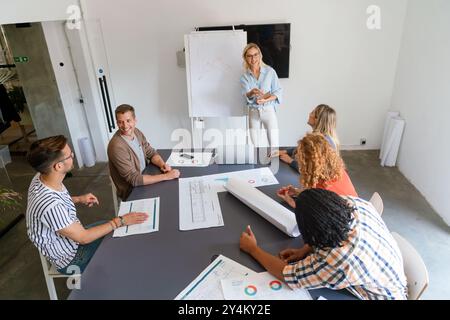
(116, 220)
(122, 220)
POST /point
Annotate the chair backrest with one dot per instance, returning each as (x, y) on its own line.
(116, 200)
(415, 270)
(377, 202)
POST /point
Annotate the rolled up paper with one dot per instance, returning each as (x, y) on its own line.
(265, 206)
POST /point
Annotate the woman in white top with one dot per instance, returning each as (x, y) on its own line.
(262, 92)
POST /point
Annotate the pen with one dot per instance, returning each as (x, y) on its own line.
(188, 156)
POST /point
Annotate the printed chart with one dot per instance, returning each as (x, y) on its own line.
(207, 285)
(261, 286)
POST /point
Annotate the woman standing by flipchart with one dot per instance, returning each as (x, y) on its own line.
(262, 92)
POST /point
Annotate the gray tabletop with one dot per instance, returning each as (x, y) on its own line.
(160, 265)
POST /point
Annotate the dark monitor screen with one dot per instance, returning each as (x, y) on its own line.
(273, 39)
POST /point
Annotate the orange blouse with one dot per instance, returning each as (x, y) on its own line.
(342, 186)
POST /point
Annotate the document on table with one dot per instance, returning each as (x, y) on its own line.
(199, 159)
(261, 286)
(207, 285)
(199, 204)
(199, 201)
(149, 206)
(252, 177)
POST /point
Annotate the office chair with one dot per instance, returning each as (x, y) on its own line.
(415, 270)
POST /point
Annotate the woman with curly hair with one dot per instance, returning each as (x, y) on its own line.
(320, 167)
(323, 121)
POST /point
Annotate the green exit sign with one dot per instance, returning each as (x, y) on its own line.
(21, 59)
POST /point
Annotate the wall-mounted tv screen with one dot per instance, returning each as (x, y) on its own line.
(273, 39)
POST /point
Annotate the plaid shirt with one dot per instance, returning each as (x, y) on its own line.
(369, 264)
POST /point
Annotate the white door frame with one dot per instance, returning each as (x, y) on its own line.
(90, 120)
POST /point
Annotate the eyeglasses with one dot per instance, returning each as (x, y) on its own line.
(69, 157)
(248, 56)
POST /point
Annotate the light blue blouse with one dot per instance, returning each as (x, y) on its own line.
(267, 82)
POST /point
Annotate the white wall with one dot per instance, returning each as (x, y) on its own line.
(335, 59)
(34, 11)
(422, 95)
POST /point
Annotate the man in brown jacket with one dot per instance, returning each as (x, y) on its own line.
(129, 153)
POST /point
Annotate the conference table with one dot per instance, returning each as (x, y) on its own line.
(161, 264)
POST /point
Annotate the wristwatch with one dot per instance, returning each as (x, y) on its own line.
(122, 221)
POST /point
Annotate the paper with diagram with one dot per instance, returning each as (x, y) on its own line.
(199, 204)
(189, 159)
(199, 201)
(269, 209)
(261, 286)
(207, 285)
(149, 206)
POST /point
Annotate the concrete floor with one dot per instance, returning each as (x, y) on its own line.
(405, 211)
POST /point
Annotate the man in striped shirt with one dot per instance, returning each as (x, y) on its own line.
(52, 223)
(351, 249)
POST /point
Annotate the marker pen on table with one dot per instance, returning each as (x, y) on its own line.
(187, 156)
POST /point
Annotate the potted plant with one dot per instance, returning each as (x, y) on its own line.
(9, 203)
(9, 199)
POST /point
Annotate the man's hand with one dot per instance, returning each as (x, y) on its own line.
(248, 241)
(87, 199)
(166, 168)
(172, 174)
(134, 218)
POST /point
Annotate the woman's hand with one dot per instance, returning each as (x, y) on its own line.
(134, 218)
(248, 241)
(286, 193)
(255, 92)
(290, 190)
(286, 158)
(261, 101)
(292, 255)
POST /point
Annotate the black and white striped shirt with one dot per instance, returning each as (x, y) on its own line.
(47, 212)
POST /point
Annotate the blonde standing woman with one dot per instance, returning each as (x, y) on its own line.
(323, 121)
(262, 92)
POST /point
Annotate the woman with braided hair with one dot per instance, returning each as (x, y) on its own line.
(347, 246)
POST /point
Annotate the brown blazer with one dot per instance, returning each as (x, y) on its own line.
(124, 166)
